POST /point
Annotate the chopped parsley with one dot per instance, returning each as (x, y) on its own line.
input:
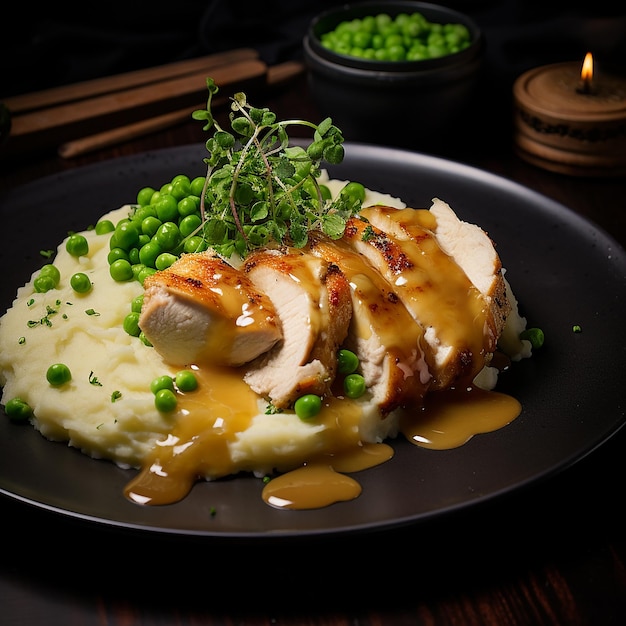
(93, 380)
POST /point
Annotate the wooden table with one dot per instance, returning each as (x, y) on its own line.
(554, 553)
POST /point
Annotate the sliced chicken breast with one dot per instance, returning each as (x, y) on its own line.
(468, 244)
(387, 340)
(312, 299)
(201, 309)
(435, 290)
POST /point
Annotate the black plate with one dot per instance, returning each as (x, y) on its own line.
(563, 269)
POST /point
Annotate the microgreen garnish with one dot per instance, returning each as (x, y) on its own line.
(260, 190)
(92, 312)
(116, 395)
(47, 254)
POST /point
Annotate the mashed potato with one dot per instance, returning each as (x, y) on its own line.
(107, 409)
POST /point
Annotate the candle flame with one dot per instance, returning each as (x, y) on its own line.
(586, 73)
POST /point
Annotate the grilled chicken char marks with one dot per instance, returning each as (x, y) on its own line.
(201, 309)
(382, 333)
(312, 299)
(436, 291)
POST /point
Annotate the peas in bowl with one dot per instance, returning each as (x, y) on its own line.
(403, 37)
(370, 61)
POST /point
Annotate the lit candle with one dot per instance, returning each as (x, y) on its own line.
(570, 119)
(586, 74)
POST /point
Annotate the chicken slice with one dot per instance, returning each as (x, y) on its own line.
(312, 300)
(436, 292)
(468, 244)
(387, 340)
(201, 309)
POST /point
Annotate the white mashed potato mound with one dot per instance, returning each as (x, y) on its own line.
(105, 361)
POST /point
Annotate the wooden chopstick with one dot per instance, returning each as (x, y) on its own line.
(276, 74)
(107, 138)
(54, 125)
(111, 84)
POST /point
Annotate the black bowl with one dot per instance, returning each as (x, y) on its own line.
(412, 104)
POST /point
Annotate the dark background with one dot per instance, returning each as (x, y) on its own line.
(50, 45)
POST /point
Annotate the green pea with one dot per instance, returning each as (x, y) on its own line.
(167, 208)
(181, 186)
(168, 236)
(354, 190)
(189, 224)
(144, 196)
(347, 362)
(58, 374)
(307, 406)
(195, 244)
(140, 214)
(396, 53)
(149, 253)
(144, 339)
(144, 273)
(165, 401)
(42, 284)
(48, 278)
(354, 385)
(186, 380)
(137, 303)
(535, 336)
(126, 235)
(52, 271)
(188, 205)
(150, 225)
(80, 282)
(161, 382)
(18, 410)
(131, 324)
(104, 227)
(133, 256)
(197, 186)
(393, 39)
(362, 39)
(137, 269)
(121, 270)
(115, 254)
(164, 260)
(77, 245)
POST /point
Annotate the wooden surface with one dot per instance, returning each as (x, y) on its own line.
(552, 554)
